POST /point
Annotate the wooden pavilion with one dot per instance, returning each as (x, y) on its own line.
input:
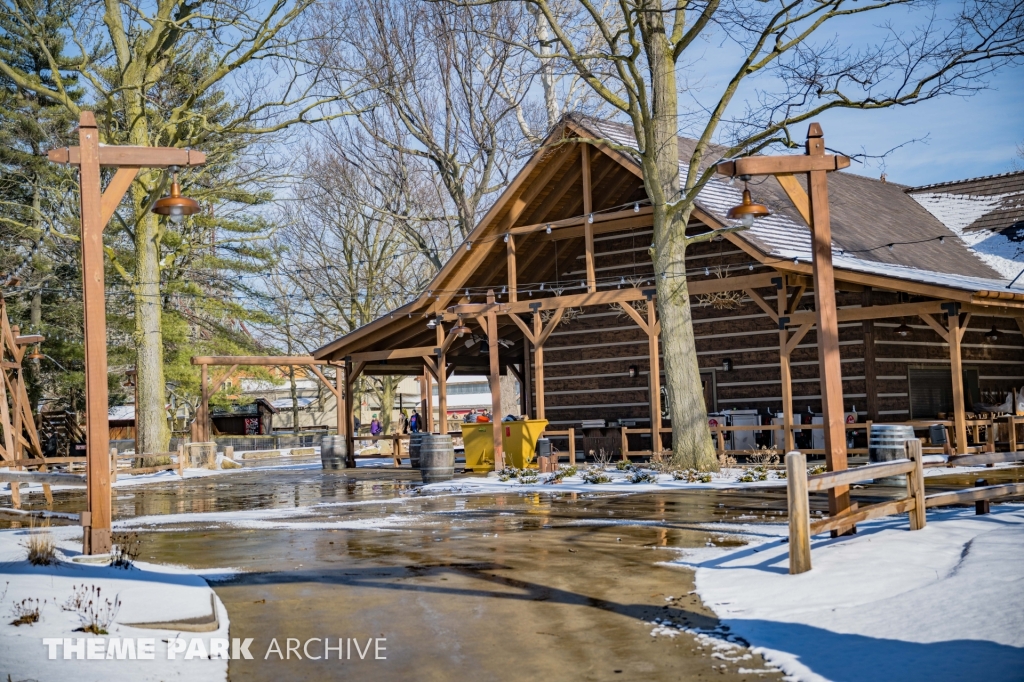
(555, 285)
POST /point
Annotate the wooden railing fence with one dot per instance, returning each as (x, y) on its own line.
(799, 484)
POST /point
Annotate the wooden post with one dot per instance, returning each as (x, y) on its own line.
(96, 539)
(182, 464)
(785, 371)
(625, 443)
(428, 396)
(527, 387)
(442, 381)
(654, 379)
(956, 363)
(572, 446)
(799, 513)
(349, 432)
(588, 228)
(495, 382)
(513, 281)
(829, 367)
(203, 418)
(538, 364)
(15, 494)
(870, 373)
(915, 484)
(340, 398)
(113, 464)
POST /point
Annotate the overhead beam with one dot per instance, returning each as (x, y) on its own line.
(257, 360)
(874, 312)
(144, 157)
(705, 286)
(772, 165)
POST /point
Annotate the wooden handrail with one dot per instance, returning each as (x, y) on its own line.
(827, 481)
(988, 492)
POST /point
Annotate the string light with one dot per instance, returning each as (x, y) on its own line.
(636, 207)
(591, 218)
(548, 230)
(707, 272)
(469, 245)
(506, 237)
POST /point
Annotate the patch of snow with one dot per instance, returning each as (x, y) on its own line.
(942, 603)
(147, 592)
(958, 211)
(285, 518)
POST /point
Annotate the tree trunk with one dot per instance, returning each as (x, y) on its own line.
(152, 434)
(691, 437)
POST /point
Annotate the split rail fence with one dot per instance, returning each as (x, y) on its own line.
(799, 484)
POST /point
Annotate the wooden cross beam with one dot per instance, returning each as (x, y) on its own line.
(813, 206)
(97, 207)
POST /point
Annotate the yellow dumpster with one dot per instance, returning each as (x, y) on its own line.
(478, 439)
(519, 441)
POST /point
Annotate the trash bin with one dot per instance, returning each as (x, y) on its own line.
(478, 442)
(519, 441)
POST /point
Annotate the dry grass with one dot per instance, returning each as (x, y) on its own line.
(126, 549)
(765, 457)
(26, 612)
(96, 612)
(42, 548)
(726, 462)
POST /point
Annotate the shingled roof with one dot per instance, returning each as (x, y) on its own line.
(993, 202)
(866, 216)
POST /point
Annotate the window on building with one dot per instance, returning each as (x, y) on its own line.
(466, 389)
(931, 391)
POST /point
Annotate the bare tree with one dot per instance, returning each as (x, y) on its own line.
(211, 75)
(791, 63)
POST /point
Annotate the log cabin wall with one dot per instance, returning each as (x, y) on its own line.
(587, 359)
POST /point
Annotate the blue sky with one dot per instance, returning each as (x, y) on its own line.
(959, 137)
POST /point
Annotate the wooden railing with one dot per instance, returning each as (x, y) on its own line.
(916, 502)
(567, 433)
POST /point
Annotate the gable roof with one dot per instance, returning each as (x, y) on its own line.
(866, 216)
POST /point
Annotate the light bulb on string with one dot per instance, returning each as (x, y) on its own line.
(506, 237)
(707, 272)
(942, 240)
(469, 245)
(636, 207)
(548, 230)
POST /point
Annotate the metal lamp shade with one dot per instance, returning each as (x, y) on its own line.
(748, 208)
(176, 205)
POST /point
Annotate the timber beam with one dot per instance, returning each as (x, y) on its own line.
(257, 360)
(706, 286)
(145, 157)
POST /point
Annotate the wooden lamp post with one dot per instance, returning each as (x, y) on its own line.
(97, 207)
(814, 209)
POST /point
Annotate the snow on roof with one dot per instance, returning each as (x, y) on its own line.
(286, 403)
(121, 413)
(866, 214)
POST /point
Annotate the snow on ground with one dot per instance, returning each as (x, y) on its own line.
(147, 592)
(284, 518)
(729, 478)
(940, 604)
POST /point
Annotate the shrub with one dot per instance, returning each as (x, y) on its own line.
(596, 475)
(96, 613)
(563, 472)
(42, 549)
(126, 549)
(641, 476)
(692, 476)
(623, 464)
(26, 611)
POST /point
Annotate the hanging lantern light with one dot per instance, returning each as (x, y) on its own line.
(175, 206)
(993, 334)
(460, 329)
(35, 356)
(748, 210)
(903, 331)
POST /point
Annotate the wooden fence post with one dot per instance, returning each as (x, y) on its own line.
(113, 464)
(799, 513)
(915, 484)
(625, 445)
(181, 461)
(15, 494)
(572, 446)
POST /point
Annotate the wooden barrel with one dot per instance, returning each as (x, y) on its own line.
(887, 442)
(415, 439)
(333, 452)
(437, 458)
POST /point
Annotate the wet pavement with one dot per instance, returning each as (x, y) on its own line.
(483, 587)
